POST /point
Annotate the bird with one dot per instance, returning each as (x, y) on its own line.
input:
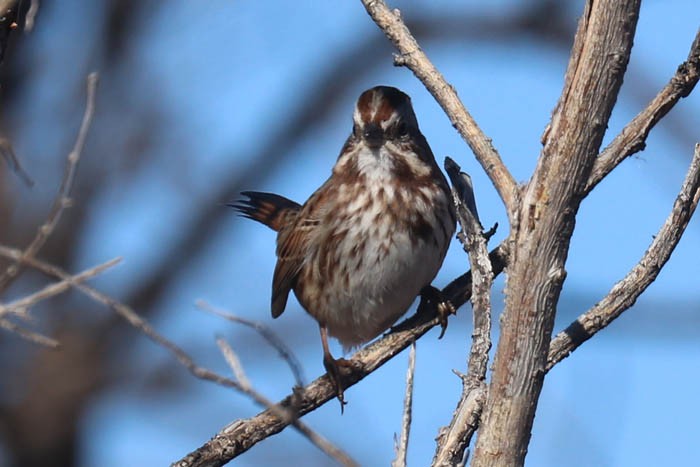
(371, 238)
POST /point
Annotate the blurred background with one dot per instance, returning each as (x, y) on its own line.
(200, 100)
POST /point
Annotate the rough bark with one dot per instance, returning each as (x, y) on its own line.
(544, 224)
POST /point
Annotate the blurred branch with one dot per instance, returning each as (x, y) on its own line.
(266, 333)
(62, 200)
(633, 137)
(29, 335)
(453, 440)
(8, 153)
(20, 306)
(402, 445)
(625, 293)
(31, 15)
(413, 57)
(142, 325)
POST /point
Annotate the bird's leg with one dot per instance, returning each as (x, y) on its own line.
(443, 307)
(333, 368)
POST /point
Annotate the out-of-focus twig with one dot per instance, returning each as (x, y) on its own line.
(30, 18)
(29, 335)
(21, 305)
(266, 333)
(402, 445)
(128, 314)
(62, 199)
(8, 153)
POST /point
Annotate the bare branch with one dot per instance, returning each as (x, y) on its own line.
(233, 362)
(62, 199)
(182, 357)
(625, 293)
(31, 336)
(541, 237)
(632, 138)
(413, 57)
(31, 16)
(8, 153)
(266, 333)
(24, 303)
(402, 447)
(453, 440)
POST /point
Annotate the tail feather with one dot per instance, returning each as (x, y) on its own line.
(267, 208)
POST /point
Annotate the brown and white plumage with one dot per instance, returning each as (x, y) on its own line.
(365, 244)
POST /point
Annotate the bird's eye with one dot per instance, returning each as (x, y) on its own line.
(402, 130)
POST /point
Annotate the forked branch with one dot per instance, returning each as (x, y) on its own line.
(623, 295)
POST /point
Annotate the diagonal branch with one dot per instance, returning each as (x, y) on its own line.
(632, 138)
(625, 293)
(413, 57)
(182, 357)
(62, 199)
(21, 305)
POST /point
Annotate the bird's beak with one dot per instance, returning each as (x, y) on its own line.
(373, 135)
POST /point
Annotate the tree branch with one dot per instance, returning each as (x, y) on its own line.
(632, 138)
(21, 305)
(625, 293)
(453, 440)
(182, 357)
(413, 57)
(402, 445)
(540, 238)
(62, 199)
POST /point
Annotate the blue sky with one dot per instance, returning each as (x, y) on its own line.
(227, 75)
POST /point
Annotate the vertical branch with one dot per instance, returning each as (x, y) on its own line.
(540, 237)
(402, 448)
(453, 441)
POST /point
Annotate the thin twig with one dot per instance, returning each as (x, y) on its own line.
(413, 57)
(182, 357)
(31, 336)
(233, 362)
(8, 153)
(402, 445)
(625, 293)
(24, 303)
(632, 138)
(321, 442)
(453, 440)
(266, 333)
(62, 199)
(31, 16)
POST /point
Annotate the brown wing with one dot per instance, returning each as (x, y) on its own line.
(294, 243)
